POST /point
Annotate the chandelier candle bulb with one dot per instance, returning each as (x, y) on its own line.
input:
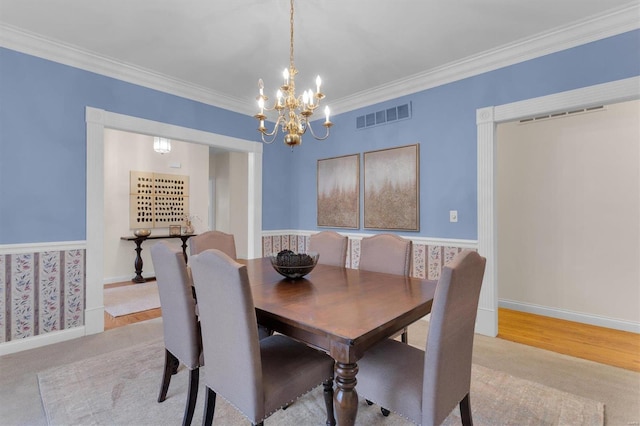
(318, 81)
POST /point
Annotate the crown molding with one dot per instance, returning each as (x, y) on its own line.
(616, 21)
(33, 44)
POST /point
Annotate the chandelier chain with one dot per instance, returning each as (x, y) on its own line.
(291, 39)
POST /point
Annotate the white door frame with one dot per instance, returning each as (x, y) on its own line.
(97, 120)
(487, 120)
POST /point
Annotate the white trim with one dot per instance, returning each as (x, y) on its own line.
(36, 45)
(487, 119)
(445, 242)
(20, 345)
(97, 120)
(613, 22)
(124, 278)
(547, 311)
(42, 247)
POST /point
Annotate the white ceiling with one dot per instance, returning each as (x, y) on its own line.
(357, 46)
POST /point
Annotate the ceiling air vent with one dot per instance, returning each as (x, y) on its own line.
(400, 112)
(562, 114)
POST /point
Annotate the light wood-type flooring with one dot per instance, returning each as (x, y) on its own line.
(603, 345)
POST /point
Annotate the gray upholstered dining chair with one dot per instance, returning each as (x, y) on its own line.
(426, 386)
(213, 240)
(256, 376)
(386, 253)
(224, 242)
(331, 246)
(182, 339)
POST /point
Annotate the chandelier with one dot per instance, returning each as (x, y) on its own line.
(293, 112)
(161, 145)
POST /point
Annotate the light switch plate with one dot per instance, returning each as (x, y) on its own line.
(453, 215)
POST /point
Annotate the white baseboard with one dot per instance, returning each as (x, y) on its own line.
(20, 345)
(487, 322)
(94, 320)
(120, 279)
(147, 273)
(564, 314)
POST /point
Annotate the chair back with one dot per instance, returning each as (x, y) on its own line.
(331, 246)
(386, 253)
(229, 330)
(213, 240)
(447, 369)
(181, 334)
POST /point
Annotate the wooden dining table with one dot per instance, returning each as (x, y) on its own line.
(341, 311)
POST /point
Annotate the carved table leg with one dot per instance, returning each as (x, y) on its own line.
(138, 262)
(346, 397)
(184, 239)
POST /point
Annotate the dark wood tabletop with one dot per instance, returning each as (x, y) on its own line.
(341, 311)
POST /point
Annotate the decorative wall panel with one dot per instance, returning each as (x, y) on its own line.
(157, 200)
(41, 292)
(427, 260)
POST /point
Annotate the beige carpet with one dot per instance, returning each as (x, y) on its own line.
(128, 299)
(120, 388)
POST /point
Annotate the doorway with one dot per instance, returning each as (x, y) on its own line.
(487, 119)
(97, 120)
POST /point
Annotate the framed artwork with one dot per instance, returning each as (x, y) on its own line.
(157, 200)
(338, 191)
(174, 230)
(391, 192)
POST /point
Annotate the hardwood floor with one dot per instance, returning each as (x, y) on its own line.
(603, 345)
(113, 322)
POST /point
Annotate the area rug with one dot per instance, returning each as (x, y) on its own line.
(129, 299)
(121, 388)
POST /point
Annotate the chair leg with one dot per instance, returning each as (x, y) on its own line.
(405, 336)
(465, 411)
(328, 401)
(192, 395)
(169, 362)
(209, 407)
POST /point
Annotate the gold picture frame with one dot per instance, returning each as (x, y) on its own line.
(174, 230)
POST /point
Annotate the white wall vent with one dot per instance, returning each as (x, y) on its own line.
(562, 114)
(389, 115)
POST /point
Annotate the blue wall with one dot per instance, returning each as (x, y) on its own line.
(42, 138)
(444, 123)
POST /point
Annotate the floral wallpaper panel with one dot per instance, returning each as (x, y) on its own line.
(41, 292)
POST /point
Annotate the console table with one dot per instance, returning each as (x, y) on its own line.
(139, 240)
